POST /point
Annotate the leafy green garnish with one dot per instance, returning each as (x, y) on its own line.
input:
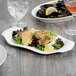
(52, 33)
(40, 47)
(57, 46)
(59, 43)
(18, 40)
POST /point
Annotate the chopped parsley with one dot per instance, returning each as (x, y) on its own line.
(46, 38)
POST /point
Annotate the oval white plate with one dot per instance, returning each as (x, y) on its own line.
(7, 34)
(49, 20)
(3, 54)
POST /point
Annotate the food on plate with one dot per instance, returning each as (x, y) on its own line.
(50, 10)
(56, 9)
(41, 39)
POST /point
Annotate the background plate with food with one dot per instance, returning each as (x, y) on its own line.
(51, 12)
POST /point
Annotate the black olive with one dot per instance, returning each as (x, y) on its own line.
(35, 41)
(41, 14)
(59, 41)
(47, 5)
(24, 28)
(53, 15)
(43, 10)
(62, 8)
(60, 4)
(14, 33)
(68, 12)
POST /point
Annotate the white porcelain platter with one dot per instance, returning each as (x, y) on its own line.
(7, 34)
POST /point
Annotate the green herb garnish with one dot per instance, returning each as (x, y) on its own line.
(59, 43)
(18, 40)
(52, 33)
(40, 47)
(46, 38)
(57, 46)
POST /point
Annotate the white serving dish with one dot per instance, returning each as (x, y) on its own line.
(49, 20)
(7, 34)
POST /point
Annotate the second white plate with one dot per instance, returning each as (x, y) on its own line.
(49, 20)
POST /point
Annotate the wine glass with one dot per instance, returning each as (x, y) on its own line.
(18, 9)
(70, 27)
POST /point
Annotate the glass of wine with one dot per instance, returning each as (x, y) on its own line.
(71, 25)
(18, 9)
